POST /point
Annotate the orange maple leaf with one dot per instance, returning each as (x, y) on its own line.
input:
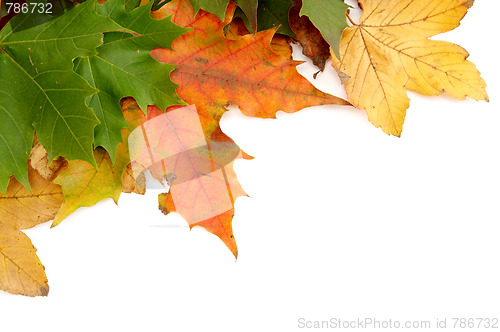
(214, 71)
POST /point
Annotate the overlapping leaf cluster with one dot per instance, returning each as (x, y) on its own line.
(63, 78)
(76, 87)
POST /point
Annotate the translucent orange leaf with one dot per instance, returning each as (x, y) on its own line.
(203, 185)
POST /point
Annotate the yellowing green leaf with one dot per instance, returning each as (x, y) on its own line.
(83, 185)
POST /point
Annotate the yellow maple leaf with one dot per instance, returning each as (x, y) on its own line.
(389, 52)
(84, 185)
(24, 209)
(21, 272)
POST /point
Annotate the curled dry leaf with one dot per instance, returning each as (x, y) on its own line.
(313, 44)
(133, 184)
(389, 52)
(281, 45)
(39, 162)
(329, 16)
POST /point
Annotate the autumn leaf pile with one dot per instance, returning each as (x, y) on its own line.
(99, 93)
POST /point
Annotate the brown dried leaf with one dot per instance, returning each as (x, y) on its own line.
(40, 162)
(313, 44)
(133, 184)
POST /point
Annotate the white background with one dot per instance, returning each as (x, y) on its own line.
(343, 222)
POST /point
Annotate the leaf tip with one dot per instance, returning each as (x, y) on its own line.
(44, 290)
(56, 222)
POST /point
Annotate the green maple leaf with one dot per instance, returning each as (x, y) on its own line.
(123, 67)
(216, 7)
(3, 11)
(270, 14)
(249, 8)
(131, 4)
(273, 13)
(39, 89)
(329, 16)
(258, 15)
